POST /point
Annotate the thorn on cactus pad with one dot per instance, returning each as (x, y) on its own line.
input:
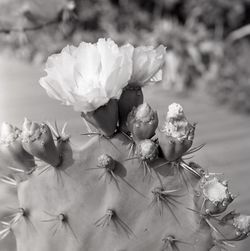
(111, 217)
(101, 136)
(194, 149)
(131, 145)
(183, 177)
(9, 181)
(107, 164)
(189, 169)
(58, 172)
(222, 244)
(6, 229)
(60, 136)
(206, 218)
(60, 221)
(22, 214)
(170, 243)
(163, 198)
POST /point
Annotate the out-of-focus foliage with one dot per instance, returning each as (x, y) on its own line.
(231, 85)
(195, 32)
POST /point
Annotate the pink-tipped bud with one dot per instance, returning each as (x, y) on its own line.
(147, 150)
(104, 118)
(216, 194)
(142, 122)
(37, 140)
(11, 148)
(106, 161)
(177, 135)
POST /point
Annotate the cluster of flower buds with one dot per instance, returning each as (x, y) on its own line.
(215, 195)
(19, 147)
(177, 135)
(11, 148)
(142, 122)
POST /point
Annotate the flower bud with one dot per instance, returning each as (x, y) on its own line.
(235, 226)
(177, 135)
(147, 150)
(242, 225)
(131, 97)
(216, 194)
(37, 140)
(106, 161)
(11, 148)
(142, 122)
(104, 118)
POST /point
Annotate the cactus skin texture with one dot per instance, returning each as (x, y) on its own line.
(100, 198)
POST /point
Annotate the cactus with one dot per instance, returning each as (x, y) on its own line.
(103, 196)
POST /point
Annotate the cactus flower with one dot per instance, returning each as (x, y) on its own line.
(147, 65)
(11, 149)
(87, 77)
(176, 137)
(37, 140)
(142, 122)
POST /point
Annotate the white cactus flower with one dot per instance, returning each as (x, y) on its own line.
(147, 64)
(88, 76)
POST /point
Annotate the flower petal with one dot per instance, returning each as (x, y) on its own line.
(147, 62)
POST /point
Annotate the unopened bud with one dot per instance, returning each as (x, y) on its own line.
(216, 194)
(142, 122)
(242, 223)
(177, 135)
(37, 140)
(11, 148)
(106, 161)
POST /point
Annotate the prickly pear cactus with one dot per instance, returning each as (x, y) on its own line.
(130, 187)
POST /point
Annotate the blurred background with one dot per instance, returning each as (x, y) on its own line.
(206, 70)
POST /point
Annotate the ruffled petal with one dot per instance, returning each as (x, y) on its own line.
(147, 62)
